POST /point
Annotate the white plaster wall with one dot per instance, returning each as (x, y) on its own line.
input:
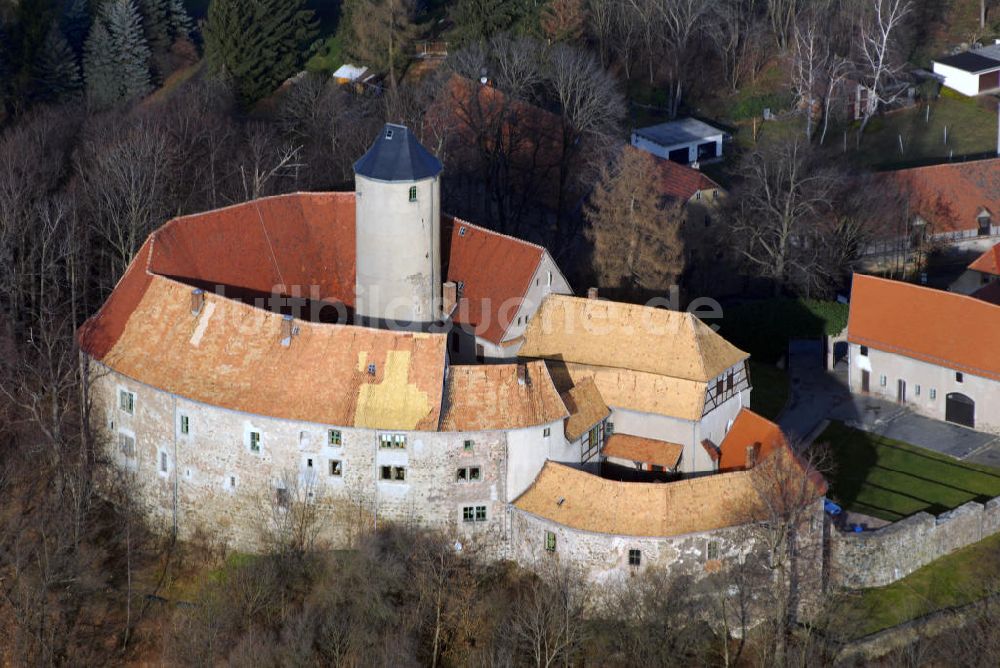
(660, 427)
(527, 450)
(985, 392)
(956, 79)
(398, 250)
(664, 151)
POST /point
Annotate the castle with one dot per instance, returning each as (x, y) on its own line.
(368, 354)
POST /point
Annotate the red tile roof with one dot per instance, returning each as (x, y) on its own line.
(749, 430)
(495, 270)
(951, 196)
(679, 181)
(988, 262)
(942, 328)
(491, 397)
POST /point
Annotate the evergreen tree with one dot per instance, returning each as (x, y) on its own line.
(129, 49)
(57, 70)
(156, 25)
(258, 46)
(480, 20)
(99, 67)
(181, 25)
(76, 23)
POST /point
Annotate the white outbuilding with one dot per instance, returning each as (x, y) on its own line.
(685, 141)
(971, 72)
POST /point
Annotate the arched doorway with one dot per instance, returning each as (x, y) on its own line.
(960, 409)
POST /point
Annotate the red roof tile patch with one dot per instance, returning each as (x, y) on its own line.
(749, 430)
(950, 197)
(942, 328)
(495, 271)
(679, 181)
(645, 450)
(491, 397)
(988, 262)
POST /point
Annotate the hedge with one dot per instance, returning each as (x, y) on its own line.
(763, 328)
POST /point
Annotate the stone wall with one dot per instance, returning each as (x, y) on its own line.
(880, 557)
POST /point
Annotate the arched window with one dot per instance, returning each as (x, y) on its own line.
(413, 193)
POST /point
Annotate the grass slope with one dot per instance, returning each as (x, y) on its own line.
(891, 479)
(953, 580)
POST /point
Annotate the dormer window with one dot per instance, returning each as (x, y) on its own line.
(985, 222)
(413, 193)
(388, 133)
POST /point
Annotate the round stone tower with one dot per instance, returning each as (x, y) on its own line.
(398, 232)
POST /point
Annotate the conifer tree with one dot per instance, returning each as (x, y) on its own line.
(181, 25)
(129, 48)
(258, 46)
(57, 70)
(99, 67)
(76, 23)
(155, 25)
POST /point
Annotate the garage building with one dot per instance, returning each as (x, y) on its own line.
(685, 141)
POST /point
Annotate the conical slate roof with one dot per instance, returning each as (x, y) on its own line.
(396, 155)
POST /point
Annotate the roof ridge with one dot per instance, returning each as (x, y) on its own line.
(950, 295)
(465, 223)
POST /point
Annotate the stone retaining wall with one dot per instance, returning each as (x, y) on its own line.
(880, 557)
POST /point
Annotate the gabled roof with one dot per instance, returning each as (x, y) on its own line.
(679, 181)
(397, 155)
(586, 408)
(491, 397)
(495, 271)
(645, 450)
(988, 262)
(943, 328)
(971, 61)
(749, 430)
(628, 336)
(230, 355)
(682, 131)
(951, 196)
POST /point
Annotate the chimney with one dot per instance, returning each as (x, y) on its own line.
(197, 301)
(522, 375)
(288, 330)
(449, 297)
(752, 455)
(591, 293)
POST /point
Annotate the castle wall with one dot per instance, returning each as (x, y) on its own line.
(880, 557)
(225, 488)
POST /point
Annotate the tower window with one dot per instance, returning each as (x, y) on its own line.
(413, 193)
(388, 133)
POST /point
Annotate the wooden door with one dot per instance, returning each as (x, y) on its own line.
(866, 381)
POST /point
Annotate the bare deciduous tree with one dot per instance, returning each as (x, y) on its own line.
(879, 61)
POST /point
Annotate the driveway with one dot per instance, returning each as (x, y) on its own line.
(817, 395)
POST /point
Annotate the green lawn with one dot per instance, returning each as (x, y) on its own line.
(972, 129)
(770, 389)
(891, 480)
(953, 580)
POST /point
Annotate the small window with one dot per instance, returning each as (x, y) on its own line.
(393, 473)
(468, 444)
(392, 441)
(309, 463)
(550, 541)
(461, 231)
(712, 551)
(729, 382)
(697, 195)
(334, 437)
(634, 557)
(864, 351)
(882, 380)
(282, 497)
(546, 432)
(480, 513)
(462, 474)
(336, 468)
(538, 281)
(474, 473)
(460, 288)
(163, 462)
(519, 320)
(126, 401)
(548, 278)
(916, 390)
(468, 514)
(371, 369)
(255, 441)
(933, 394)
(386, 473)
(413, 193)
(718, 387)
(232, 482)
(715, 194)
(185, 425)
(126, 444)
(959, 377)
(388, 133)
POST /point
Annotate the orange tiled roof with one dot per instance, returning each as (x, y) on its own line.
(647, 450)
(988, 262)
(490, 396)
(950, 196)
(942, 328)
(586, 408)
(679, 181)
(749, 430)
(495, 271)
